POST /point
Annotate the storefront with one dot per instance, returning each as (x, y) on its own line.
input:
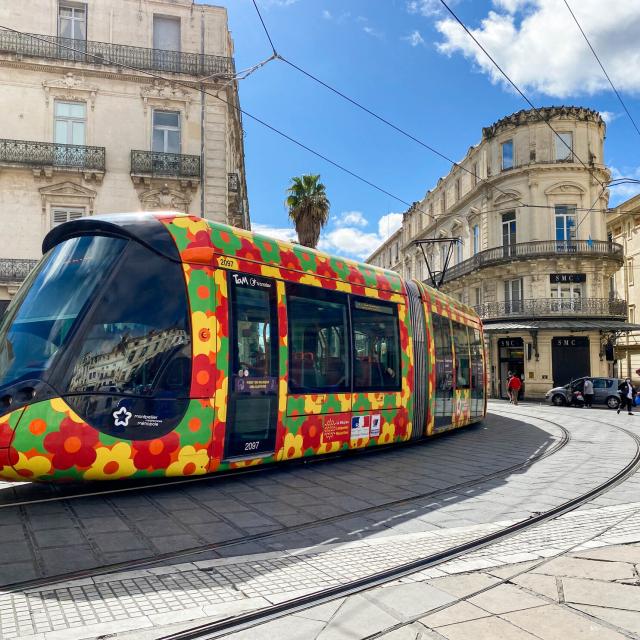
(570, 357)
(511, 360)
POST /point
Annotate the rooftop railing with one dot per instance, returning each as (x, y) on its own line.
(169, 165)
(104, 53)
(553, 307)
(539, 249)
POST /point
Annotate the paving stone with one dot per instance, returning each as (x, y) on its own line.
(629, 620)
(544, 585)
(407, 601)
(586, 568)
(623, 553)
(485, 629)
(459, 612)
(601, 594)
(463, 585)
(291, 628)
(554, 622)
(117, 542)
(59, 537)
(505, 597)
(323, 612)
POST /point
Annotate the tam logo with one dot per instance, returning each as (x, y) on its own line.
(121, 417)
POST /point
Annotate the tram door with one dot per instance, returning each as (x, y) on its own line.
(253, 361)
(444, 372)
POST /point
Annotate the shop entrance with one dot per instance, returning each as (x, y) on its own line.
(511, 358)
(570, 359)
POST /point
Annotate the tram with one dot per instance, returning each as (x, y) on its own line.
(147, 345)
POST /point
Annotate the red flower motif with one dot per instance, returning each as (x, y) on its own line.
(155, 454)
(200, 239)
(400, 423)
(311, 431)
(324, 268)
(249, 251)
(289, 260)
(6, 434)
(73, 445)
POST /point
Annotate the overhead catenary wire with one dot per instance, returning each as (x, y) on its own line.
(520, 92)
(595, 55)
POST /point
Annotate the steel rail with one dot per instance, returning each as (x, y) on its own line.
(260, 616)
(564, 439)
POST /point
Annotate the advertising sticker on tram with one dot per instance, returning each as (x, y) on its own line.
(360, 427)
(336, 428)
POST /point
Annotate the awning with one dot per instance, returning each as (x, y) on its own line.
(560, 325)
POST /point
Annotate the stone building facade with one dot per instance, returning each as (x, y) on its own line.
(623, 224)
(86, 130)
(531, 256)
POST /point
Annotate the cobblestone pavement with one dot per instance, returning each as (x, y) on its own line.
(53, 538)
(147, 603)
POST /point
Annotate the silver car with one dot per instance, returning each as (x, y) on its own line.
(605, 391)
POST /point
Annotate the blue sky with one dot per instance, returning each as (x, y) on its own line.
(405, 60)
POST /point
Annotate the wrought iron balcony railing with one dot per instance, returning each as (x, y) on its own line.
(553, 307)
(169, 165)
(13, 270)
(540, 249)
(52, 154)
(104, 53)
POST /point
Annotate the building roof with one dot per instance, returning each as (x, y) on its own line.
(561, 325)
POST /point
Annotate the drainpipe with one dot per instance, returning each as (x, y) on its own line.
(202, 121)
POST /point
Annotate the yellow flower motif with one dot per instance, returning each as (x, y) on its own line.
(246, 463)
(221, 282)
(190, 462)
(204, 332)
(343, 286)
(112, 463)
(311, 280)
(329, 447)
(270, 272)
(292, 447)
(59, 405)
(313, 403)
(387, 434)
(32, 468)
(221, 402)
(185, 222)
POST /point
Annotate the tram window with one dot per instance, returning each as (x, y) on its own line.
(136, 341)
(463, 359)
(318, 340)
(444, 353)
(376, 346)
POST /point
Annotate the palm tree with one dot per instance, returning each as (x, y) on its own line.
(308, 208)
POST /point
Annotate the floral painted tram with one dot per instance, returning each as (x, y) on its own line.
(168, 345)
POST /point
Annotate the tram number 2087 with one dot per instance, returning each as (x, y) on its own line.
(251, 446)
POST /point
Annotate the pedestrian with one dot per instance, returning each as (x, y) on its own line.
(588, 393)
(626, 392)
(513, 387)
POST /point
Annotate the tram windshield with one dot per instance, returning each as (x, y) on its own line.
(39, 321)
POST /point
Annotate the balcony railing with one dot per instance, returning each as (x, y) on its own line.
(12, 270)
(104, 53)
(540, 249)
(51, 154)
(168, 165)
(553, 307)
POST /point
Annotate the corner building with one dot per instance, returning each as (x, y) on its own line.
(86, 130)
(532, 260)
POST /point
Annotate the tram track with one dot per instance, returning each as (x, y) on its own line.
(257, 617)
(561, 442)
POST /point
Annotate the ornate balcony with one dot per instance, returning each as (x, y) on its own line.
(12, 270)
(103, 53)
(49, 154)
(554, 308)
(165, 165)
(540, 249)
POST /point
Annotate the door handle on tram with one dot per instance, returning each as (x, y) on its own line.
(5, 401)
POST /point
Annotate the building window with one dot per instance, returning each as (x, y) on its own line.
(476, 297)
(166, 131)
(443, 202)
(457, 188)
(459, 251)
(630, 271)
(509, 233)
(565, 223)
(476, 238)
(564, 146)
(60, 215)
(475, 177)
(513, 295)
(566, 297)
(70, 122)
(72, 21)
(166, 33)
(507, 154)
(632, 313)
(443, 254)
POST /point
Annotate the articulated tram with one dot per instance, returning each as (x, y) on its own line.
(168, 345)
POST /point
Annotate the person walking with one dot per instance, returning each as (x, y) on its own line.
(626, 392)
(514, 387)
(588, 393)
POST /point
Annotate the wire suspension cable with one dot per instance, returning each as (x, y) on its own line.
(595, 55)
(520, 92)
(264, 26)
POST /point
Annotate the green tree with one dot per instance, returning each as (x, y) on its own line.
(308, 208)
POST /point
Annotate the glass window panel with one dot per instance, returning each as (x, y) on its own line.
(507, 154)
(376, 345)
(166, 119)
(78, 133)
(564, 146)
(444, 365)
(158, 140)
(137, 341)
(61, 132)
(76, 109)
(62, 109)
(463, 356)
(173, 142)
(318, 339)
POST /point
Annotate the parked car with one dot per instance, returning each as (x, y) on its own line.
(605, 391)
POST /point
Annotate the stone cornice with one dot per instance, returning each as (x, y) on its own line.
(543, 114)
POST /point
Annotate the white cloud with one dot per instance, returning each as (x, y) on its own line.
(424, 7)
(609, 116)
(624, 191)
(372, 32)
(389, 224)
(326, 14)
(414, 39)
(539, 46)
(281, 3)
(281, 233)
(351, 218)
